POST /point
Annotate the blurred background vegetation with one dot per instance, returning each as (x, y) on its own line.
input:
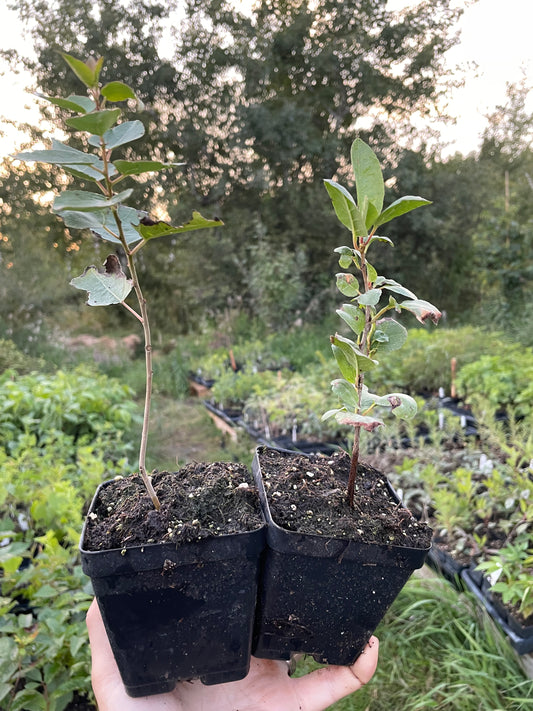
(261, 106)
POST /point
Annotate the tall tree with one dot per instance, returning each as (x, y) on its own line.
(260, 104)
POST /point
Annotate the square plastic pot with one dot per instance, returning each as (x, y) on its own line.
(323, 596)
(178, 613)
(520, 637)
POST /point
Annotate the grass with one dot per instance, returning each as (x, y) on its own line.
(182, 431)
(439, 650)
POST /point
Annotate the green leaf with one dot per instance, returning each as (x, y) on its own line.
(355, 420)
(406, 408)
(401, 207)
(390, 335)
(80, 104)
(136, 167)
(330, 413)
(119, 135)
(368, 177)
(348, 369)
(117, 91)
(401, 405)
(372, 273)
(354, 317)
(97, 122)
(380, 238)
(161, 229)
(88, 72)
(346, 392)
(392, 285)
(103, 223)
(345, 208)
(348, 256)
(61, 154)
(347, 284)
(422, 310)
(369, 298)
(104, 288)
(353, 355)
(81, 201)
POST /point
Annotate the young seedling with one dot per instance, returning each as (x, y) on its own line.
(103, 210)
(365, 314)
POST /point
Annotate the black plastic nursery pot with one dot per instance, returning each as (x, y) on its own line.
(323, 596)
(178, 613)
(520, 636)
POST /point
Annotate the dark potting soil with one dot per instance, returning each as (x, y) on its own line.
(308, 495)
(199, 501)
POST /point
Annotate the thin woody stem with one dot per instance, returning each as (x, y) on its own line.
(143, 318)
(364, 347)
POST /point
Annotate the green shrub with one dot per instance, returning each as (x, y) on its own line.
(81, 405)
(505, 380)
(11, 358)
(44, 595)
(425, 363)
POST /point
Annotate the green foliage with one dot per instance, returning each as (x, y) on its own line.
(80, 406)
(11, 358)
(60, 445)
(103, 212)
(364, 315)
(511, 573)
(503, 380)
(426, 362)
(277, 283)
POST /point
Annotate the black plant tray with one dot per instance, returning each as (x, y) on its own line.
(174, 614)
(521, 638)
(443, 563)
(232, 417)
(323, 596)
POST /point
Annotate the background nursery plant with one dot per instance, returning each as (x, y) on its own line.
(103, 210)
(366, 313)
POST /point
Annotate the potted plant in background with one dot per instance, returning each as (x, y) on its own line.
(173, 557)
(340, 545)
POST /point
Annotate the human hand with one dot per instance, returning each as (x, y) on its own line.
(268, 687)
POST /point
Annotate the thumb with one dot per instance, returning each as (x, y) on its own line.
(323, 687)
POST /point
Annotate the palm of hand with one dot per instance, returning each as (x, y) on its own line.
(268, 687)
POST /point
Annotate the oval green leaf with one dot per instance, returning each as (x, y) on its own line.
(345, 208)
(117, 91)
(401, 207)
(121, 134)
(389, 335)
(82, 201)
(346, 393)
(137, 167)
(368, 177)
(97, 122)
(347, 284)
(353, 316)
(422, 310)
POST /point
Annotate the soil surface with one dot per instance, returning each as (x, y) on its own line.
(308, 494)
(198, 501)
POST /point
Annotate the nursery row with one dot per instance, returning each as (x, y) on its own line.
(281, 398)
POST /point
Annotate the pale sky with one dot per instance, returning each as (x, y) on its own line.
(496, 47)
